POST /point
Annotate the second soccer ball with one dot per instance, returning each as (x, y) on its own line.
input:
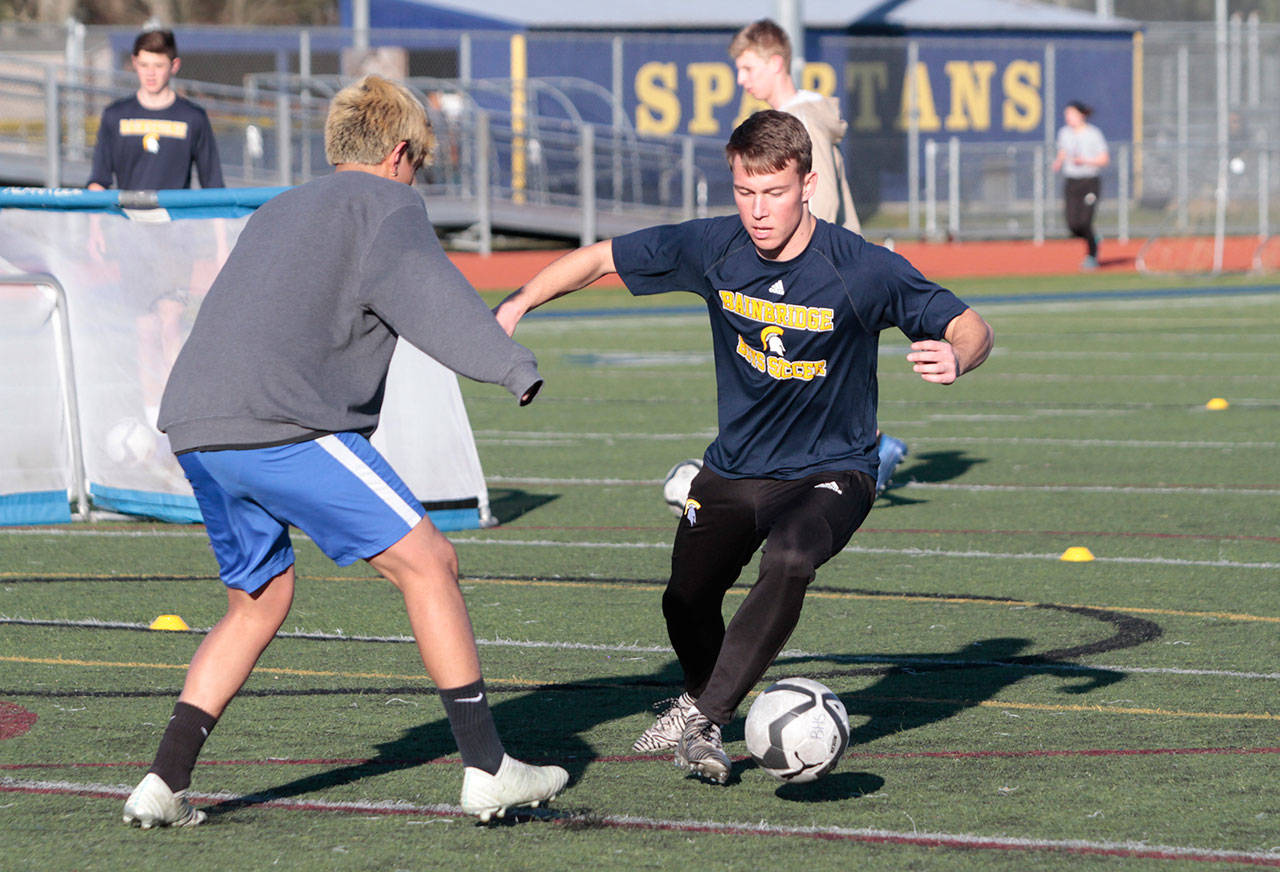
(675, 487)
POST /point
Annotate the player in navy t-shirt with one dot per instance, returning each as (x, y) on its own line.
(148, 142)
(796, 307)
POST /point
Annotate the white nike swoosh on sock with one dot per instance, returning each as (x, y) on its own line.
(476, 698)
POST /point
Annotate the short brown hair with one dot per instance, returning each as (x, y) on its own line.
(369, 119)
(158, 41)
(768, 141)
(765, 38)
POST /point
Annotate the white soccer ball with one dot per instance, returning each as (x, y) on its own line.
(675, 487)
(130, 441)
(797, 729)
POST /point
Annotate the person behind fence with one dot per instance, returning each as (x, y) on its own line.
(269, 408)
(796, 307)
(1082, 153)
(761, 52)
(149, 141)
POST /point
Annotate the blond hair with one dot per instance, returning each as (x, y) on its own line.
(765, 38)
(369, 119)
(768, 141)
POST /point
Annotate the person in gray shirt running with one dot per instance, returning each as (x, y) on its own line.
(269, 407)
(1082, 153)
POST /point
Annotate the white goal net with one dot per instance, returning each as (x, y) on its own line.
(81, 418)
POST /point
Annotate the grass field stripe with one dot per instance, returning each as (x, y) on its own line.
(1079, 378)
(962, 841)
(563, 436)
(1109, 534)
(1114, 710)
(1241, 617)
(862, 549)
(1050, 752)
(263, 670)
(197, 533)
(1193, 490)
(871, 660)
(1091, 443)
(525, 682)
(453, 760)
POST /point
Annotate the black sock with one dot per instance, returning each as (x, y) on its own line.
(472, 725)
(181, 744)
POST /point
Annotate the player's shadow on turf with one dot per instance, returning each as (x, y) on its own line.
(927, 688)
(931, 467)
(508, 504)
(544, 725)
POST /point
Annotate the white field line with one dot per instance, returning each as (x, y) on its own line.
(531, 644)
(1097, 488)
(1260, 339)
(1140, 355)
(1196, 444)
(496, 436)
(637, 546)
(968, 841)
(1078, 378)
(1036, 308)
(106, 534)
(1049, 488)
(901, 552)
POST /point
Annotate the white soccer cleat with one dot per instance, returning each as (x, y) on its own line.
(153, 804)
(515, 784)
(665, 732)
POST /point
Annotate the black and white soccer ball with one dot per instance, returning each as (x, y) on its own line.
(675, 487)
(797, 729)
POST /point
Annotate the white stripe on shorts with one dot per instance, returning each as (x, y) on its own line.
(344, 455)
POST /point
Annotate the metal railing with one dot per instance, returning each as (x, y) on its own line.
(569, 161)
(1007, 190)
(491, 164)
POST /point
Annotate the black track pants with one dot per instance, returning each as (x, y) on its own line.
(802, 524)
(1081, 197)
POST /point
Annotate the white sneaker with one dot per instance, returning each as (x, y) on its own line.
(514, 784)
(153, 804)
(666, 730)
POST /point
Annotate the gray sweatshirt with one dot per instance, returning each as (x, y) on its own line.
(295, 337)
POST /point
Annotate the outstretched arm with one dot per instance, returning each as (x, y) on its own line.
(968, 342)
(573, 271)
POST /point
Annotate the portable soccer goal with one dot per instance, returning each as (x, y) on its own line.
(98, 290)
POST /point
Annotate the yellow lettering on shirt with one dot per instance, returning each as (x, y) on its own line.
(813, 318)
(153, 127)
(780, 368)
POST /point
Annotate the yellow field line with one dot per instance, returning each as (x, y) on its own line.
(602, 585)
(986, 703)
(1124, 710)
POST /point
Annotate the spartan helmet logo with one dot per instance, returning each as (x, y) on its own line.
(771, 339)
(151, 143)
(691, 507)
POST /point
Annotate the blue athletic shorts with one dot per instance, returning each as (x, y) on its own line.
(337, 489)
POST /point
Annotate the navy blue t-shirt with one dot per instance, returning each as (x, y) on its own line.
(795, 342)
(153, 149)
